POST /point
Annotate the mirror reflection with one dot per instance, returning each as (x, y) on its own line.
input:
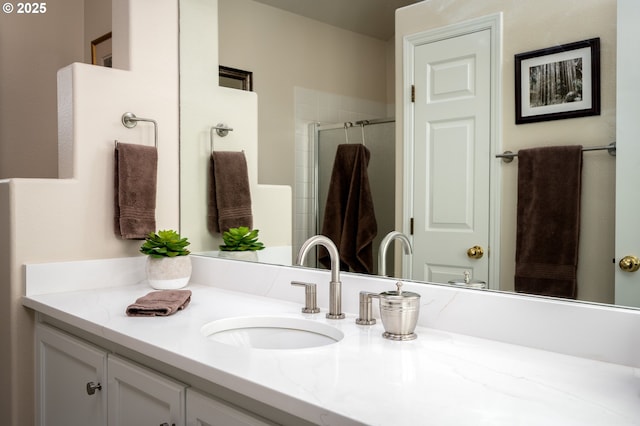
(313, 77)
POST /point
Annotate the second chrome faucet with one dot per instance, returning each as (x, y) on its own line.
(384, 245)
(335, 286)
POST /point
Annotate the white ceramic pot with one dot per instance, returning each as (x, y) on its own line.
(168, 273)
(248, 255)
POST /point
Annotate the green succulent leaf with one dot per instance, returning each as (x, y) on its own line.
(241, 239)
(165, 243)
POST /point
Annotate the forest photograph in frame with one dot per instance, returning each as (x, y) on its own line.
(558, 82)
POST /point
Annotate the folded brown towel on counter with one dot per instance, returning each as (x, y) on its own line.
(349, 218)
(135, 190)
(160, 303)
(548, 220)
(229, 201)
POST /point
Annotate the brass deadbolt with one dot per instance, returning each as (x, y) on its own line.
(629, 263)
(475, 252)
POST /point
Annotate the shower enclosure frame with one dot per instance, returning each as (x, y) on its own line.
(314, 175)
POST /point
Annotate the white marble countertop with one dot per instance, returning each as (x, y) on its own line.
(440, 378)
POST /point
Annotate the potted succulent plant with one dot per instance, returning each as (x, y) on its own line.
(241, 243)
(168, 262)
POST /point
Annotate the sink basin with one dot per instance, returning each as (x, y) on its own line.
(271, 332)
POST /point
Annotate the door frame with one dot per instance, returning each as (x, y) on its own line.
(493, 23)
(627, 233)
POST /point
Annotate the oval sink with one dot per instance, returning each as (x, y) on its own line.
(267, 332)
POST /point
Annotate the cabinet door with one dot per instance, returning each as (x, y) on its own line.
(65, 367)
(139, 396)
(203, 410)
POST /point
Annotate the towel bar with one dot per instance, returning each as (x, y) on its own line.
(129, 120)
(508, 156)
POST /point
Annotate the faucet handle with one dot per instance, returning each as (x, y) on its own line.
(366, 316)
(310, 303)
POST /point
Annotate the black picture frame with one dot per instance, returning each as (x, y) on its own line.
(558, 82)
(235, 78)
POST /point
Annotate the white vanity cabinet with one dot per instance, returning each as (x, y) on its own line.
(70, 380)
(81, 384)
(139, 396)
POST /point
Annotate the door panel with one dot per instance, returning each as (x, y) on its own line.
(65, 366)
(452, 141)
(627, 291)
(138, 396)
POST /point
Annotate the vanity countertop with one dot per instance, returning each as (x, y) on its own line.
(440, 378)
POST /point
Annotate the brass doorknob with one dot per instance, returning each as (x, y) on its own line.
(629, 263)
(475, 252)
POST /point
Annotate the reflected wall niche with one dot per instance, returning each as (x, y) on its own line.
(235, 78)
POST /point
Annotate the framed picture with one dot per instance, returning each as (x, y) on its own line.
(101, 51)
(235, 78)
(558, 82)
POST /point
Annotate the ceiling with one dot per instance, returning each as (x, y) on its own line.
(374, 18)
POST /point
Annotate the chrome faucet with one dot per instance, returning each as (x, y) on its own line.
(335, 286)
(384, 245)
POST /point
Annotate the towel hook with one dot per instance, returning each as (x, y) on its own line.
(129, 120)
(362, 124)
(347, 124)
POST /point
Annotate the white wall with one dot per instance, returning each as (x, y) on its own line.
(32, 49)
(72, 218)
(285, 51)
(203, 105)
(530, 26)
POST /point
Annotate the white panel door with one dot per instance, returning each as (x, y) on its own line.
(452, 138)
(138, 396)
(65, 366)
(627, 291)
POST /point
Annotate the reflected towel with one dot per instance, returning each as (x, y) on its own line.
(160, 303)
(548, 220)
(135, 190)
(229, 201)
(349, 217)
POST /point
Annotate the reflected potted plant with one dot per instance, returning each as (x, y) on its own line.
(241, 243)
(168, 263)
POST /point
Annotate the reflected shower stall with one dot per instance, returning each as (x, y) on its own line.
(379, 137)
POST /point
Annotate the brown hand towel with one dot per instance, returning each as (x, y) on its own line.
(160, 303)
(548, 220)
(229, 202)
(349, 218)
(135, 190)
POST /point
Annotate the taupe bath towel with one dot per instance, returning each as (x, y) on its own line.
(548, 230)
(135, 190)
(160, 303)
(349, 217)
(229, 202)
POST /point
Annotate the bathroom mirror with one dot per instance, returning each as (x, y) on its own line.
(277, 153)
